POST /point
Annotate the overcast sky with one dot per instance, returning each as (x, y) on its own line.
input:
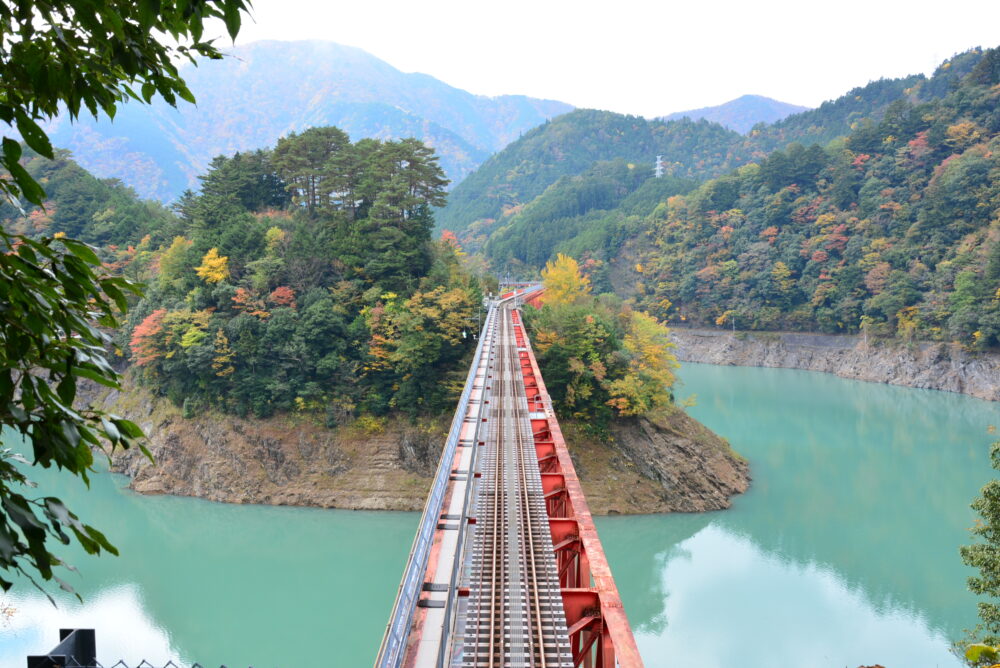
(648, 58)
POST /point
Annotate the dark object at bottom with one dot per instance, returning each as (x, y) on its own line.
(77, 648)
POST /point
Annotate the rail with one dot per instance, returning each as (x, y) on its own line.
(390, 653)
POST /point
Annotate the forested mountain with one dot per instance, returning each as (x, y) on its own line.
(560, 154)
(78, 204)
(893, 230)
(301, 278)
(742, 113)
(268, 89)
(571, 144)
(578, 214)
(836, 118)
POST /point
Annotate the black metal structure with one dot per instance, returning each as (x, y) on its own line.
(77, 648)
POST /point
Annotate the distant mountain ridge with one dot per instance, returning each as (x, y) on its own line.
(571, 144)
(581, 183)
(742, 113)
(268, 89)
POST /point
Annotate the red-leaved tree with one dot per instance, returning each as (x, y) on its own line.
(145, 338)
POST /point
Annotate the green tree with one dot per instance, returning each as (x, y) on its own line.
(71, 55)
(82, 55)
(316, 166)
(58, 305)
(985, 556)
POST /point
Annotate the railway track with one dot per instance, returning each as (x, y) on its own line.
(506, 569)
(514, 616)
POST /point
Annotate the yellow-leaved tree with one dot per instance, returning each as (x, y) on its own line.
(647, 382)
(214, 268)
(564, 282)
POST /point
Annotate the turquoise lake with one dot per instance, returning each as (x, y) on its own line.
(844, 552)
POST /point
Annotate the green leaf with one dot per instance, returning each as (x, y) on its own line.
(67, 389)
(186, 94)
(112, 17)
(71, 433)
(11, 149)
(28, 186)
(148, 10)
(61, 513)
(112, 291)
(96, 377)
(33, 135)
(130, 428)
(111, 430)
(83, 251)
(99, 538)
(233, 19)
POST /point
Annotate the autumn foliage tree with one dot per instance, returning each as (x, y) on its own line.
(600, 358)
(893, 225)
(214, 268)
(416, 341)
(564, 282)
(304, 278)
(146, 338)
(649, 377)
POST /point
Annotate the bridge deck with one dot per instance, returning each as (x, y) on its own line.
(515, 615)
(506, 568)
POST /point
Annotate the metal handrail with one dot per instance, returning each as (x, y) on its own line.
(390, 653)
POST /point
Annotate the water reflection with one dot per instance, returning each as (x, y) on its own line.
(731, 604)
(223, 584)
(126, 630)
(845, 548)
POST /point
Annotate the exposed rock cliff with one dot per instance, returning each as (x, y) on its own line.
(668, 462)
(281, 461)
(660, 463)
(937, 366)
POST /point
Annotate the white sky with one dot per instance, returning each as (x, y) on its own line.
(647, 58)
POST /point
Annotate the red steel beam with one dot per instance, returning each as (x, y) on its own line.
(600, 635)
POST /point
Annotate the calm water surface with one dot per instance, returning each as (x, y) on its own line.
(843, 552)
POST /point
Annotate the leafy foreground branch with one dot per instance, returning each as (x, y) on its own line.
(55, 306)
(66, 57)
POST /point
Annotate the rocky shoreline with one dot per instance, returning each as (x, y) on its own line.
(936, 366)
(667, 462)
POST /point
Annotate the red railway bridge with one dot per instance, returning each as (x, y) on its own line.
(506, 568)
